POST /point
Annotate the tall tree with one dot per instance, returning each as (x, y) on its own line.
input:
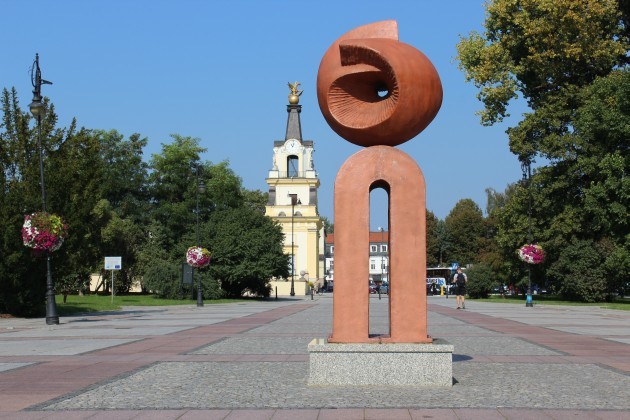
(329, 227)
(22, 276)
(465, 227)
(125, 173)
(73, 190)
(173, 184)
(443, 241)
(246, 250)
(15, 141)
(568, 60)
(433, 248)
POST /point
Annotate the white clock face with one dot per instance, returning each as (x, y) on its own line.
(292, 146)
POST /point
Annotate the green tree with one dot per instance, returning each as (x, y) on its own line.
(22, 275)
(122, 237)
(433, 248)
(232, 225)
(73, 189)
(481, 280)
(173, 184)
(537, 48)
(328, 226)
(246, 251)
(465, 226)
(443, 239)
(568, 60)
(124, 183)
(123, 212)
(490, 252)
(579, 273)
(255, 199)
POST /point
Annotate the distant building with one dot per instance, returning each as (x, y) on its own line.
(378, 261)
(293, 185)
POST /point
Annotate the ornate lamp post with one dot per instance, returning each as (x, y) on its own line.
(201, 188)
(38, 110)
(526, 167)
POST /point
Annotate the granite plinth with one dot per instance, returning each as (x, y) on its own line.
(396, 364)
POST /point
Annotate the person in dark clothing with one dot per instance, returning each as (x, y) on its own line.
(460, 279)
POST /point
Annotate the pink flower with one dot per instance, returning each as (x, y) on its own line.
(531, 254)
(198, 257)
(43, 232)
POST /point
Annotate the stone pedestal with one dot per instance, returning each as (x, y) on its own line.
(429, 365)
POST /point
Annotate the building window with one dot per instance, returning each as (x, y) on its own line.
(372, 266)
(332, 249)
(292, 166)
(373, 248)
(383, 248)
(332, 265)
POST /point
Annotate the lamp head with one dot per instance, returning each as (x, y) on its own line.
(37, 107)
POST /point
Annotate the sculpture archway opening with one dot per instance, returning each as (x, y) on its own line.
(379, 261)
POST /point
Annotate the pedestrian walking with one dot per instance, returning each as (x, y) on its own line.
(460, 279)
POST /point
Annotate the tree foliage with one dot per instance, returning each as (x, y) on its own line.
(246, 251)
(433, 246)
(481, 280)
(116, 204)
(465, 228)
(569, 61)
(538, 48)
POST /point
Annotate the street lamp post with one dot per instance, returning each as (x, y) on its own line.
(201, 188)
(38, 111)
(294, 201)
(526, 167)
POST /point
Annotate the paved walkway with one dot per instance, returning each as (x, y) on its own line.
(250, 361)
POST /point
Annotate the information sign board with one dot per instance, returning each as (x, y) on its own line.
(113, 263)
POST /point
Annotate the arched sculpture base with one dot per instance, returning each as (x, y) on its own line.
(398, 173)
(389, 364)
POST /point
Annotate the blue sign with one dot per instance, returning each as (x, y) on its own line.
(454, 266)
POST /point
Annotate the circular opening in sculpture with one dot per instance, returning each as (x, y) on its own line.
(382, 91)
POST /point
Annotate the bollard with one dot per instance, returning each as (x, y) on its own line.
(276, 292)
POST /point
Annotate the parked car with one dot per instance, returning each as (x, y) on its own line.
(384, 288)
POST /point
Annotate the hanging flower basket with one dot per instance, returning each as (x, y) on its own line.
(198, 257)
(531, 254)
(43, 232)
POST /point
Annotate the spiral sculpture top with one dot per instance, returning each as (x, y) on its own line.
(375, 90)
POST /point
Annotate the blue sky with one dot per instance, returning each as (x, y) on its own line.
(218, 70)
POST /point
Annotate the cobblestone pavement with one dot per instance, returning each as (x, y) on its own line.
(250, 360)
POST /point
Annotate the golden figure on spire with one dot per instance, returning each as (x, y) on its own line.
(294, 96)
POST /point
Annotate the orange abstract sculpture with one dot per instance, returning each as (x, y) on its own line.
(377, 92)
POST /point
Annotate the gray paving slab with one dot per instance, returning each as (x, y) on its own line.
(231, 385)
(496, 374)
(101, 331)
(52, 347)
(9, 366)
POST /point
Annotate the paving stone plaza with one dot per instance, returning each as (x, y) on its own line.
(249, 360)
